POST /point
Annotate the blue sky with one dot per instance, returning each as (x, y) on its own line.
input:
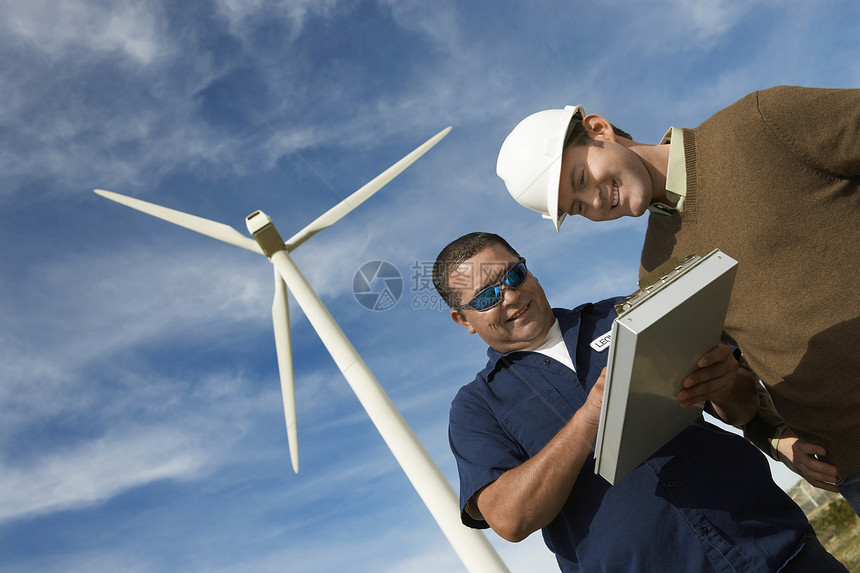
(140, 417)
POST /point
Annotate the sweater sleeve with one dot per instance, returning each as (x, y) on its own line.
(765, 429)
(820, 126)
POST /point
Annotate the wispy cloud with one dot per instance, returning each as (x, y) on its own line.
(137, 31)
(98, 471)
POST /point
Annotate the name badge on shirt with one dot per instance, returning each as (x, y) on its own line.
(601, 343)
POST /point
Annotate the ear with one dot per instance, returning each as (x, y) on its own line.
(598, 127)
(460, 318)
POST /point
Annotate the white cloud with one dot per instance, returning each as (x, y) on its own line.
(329, 264)
(709, 19)
(98, 470)
(148, 429)
(133, 29)
(243, 14)
(438, 20)
(101, 303)
(103, 559)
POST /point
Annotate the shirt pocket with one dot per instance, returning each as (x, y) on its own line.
(537, 419)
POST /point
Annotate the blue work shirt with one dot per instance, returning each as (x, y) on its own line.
(703, 502)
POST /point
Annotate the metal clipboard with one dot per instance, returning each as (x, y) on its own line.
(660, 333)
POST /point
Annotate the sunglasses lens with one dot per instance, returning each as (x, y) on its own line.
(487, 298)
(516, 276)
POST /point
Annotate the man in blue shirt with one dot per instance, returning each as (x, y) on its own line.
(522, 433)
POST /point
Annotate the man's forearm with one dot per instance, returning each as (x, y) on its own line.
(528, 497)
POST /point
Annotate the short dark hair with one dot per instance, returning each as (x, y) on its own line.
(455, 254)
(579, 136)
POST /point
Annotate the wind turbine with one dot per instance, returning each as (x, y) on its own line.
(471, 546)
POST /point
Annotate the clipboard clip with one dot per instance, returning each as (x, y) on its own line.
(655, 279)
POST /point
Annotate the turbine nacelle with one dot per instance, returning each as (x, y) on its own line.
(264, 232)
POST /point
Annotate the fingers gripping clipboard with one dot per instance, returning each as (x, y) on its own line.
(660, 333)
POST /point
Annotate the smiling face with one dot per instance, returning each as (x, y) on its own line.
(604, 180)
(524, 316)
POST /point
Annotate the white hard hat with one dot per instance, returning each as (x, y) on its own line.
(530, 159)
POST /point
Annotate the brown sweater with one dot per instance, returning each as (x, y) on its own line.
(772, 181)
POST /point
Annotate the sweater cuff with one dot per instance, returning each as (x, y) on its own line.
(765, 435)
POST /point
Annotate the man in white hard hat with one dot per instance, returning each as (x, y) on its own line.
(774, 181)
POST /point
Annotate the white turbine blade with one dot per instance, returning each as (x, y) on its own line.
(281, 324)
(200, 225)
(334, 214)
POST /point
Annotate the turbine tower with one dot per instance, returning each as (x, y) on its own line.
(471, 546)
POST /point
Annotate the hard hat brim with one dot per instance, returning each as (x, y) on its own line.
(554, 179)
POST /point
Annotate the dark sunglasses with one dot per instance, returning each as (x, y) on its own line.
(492, 295)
